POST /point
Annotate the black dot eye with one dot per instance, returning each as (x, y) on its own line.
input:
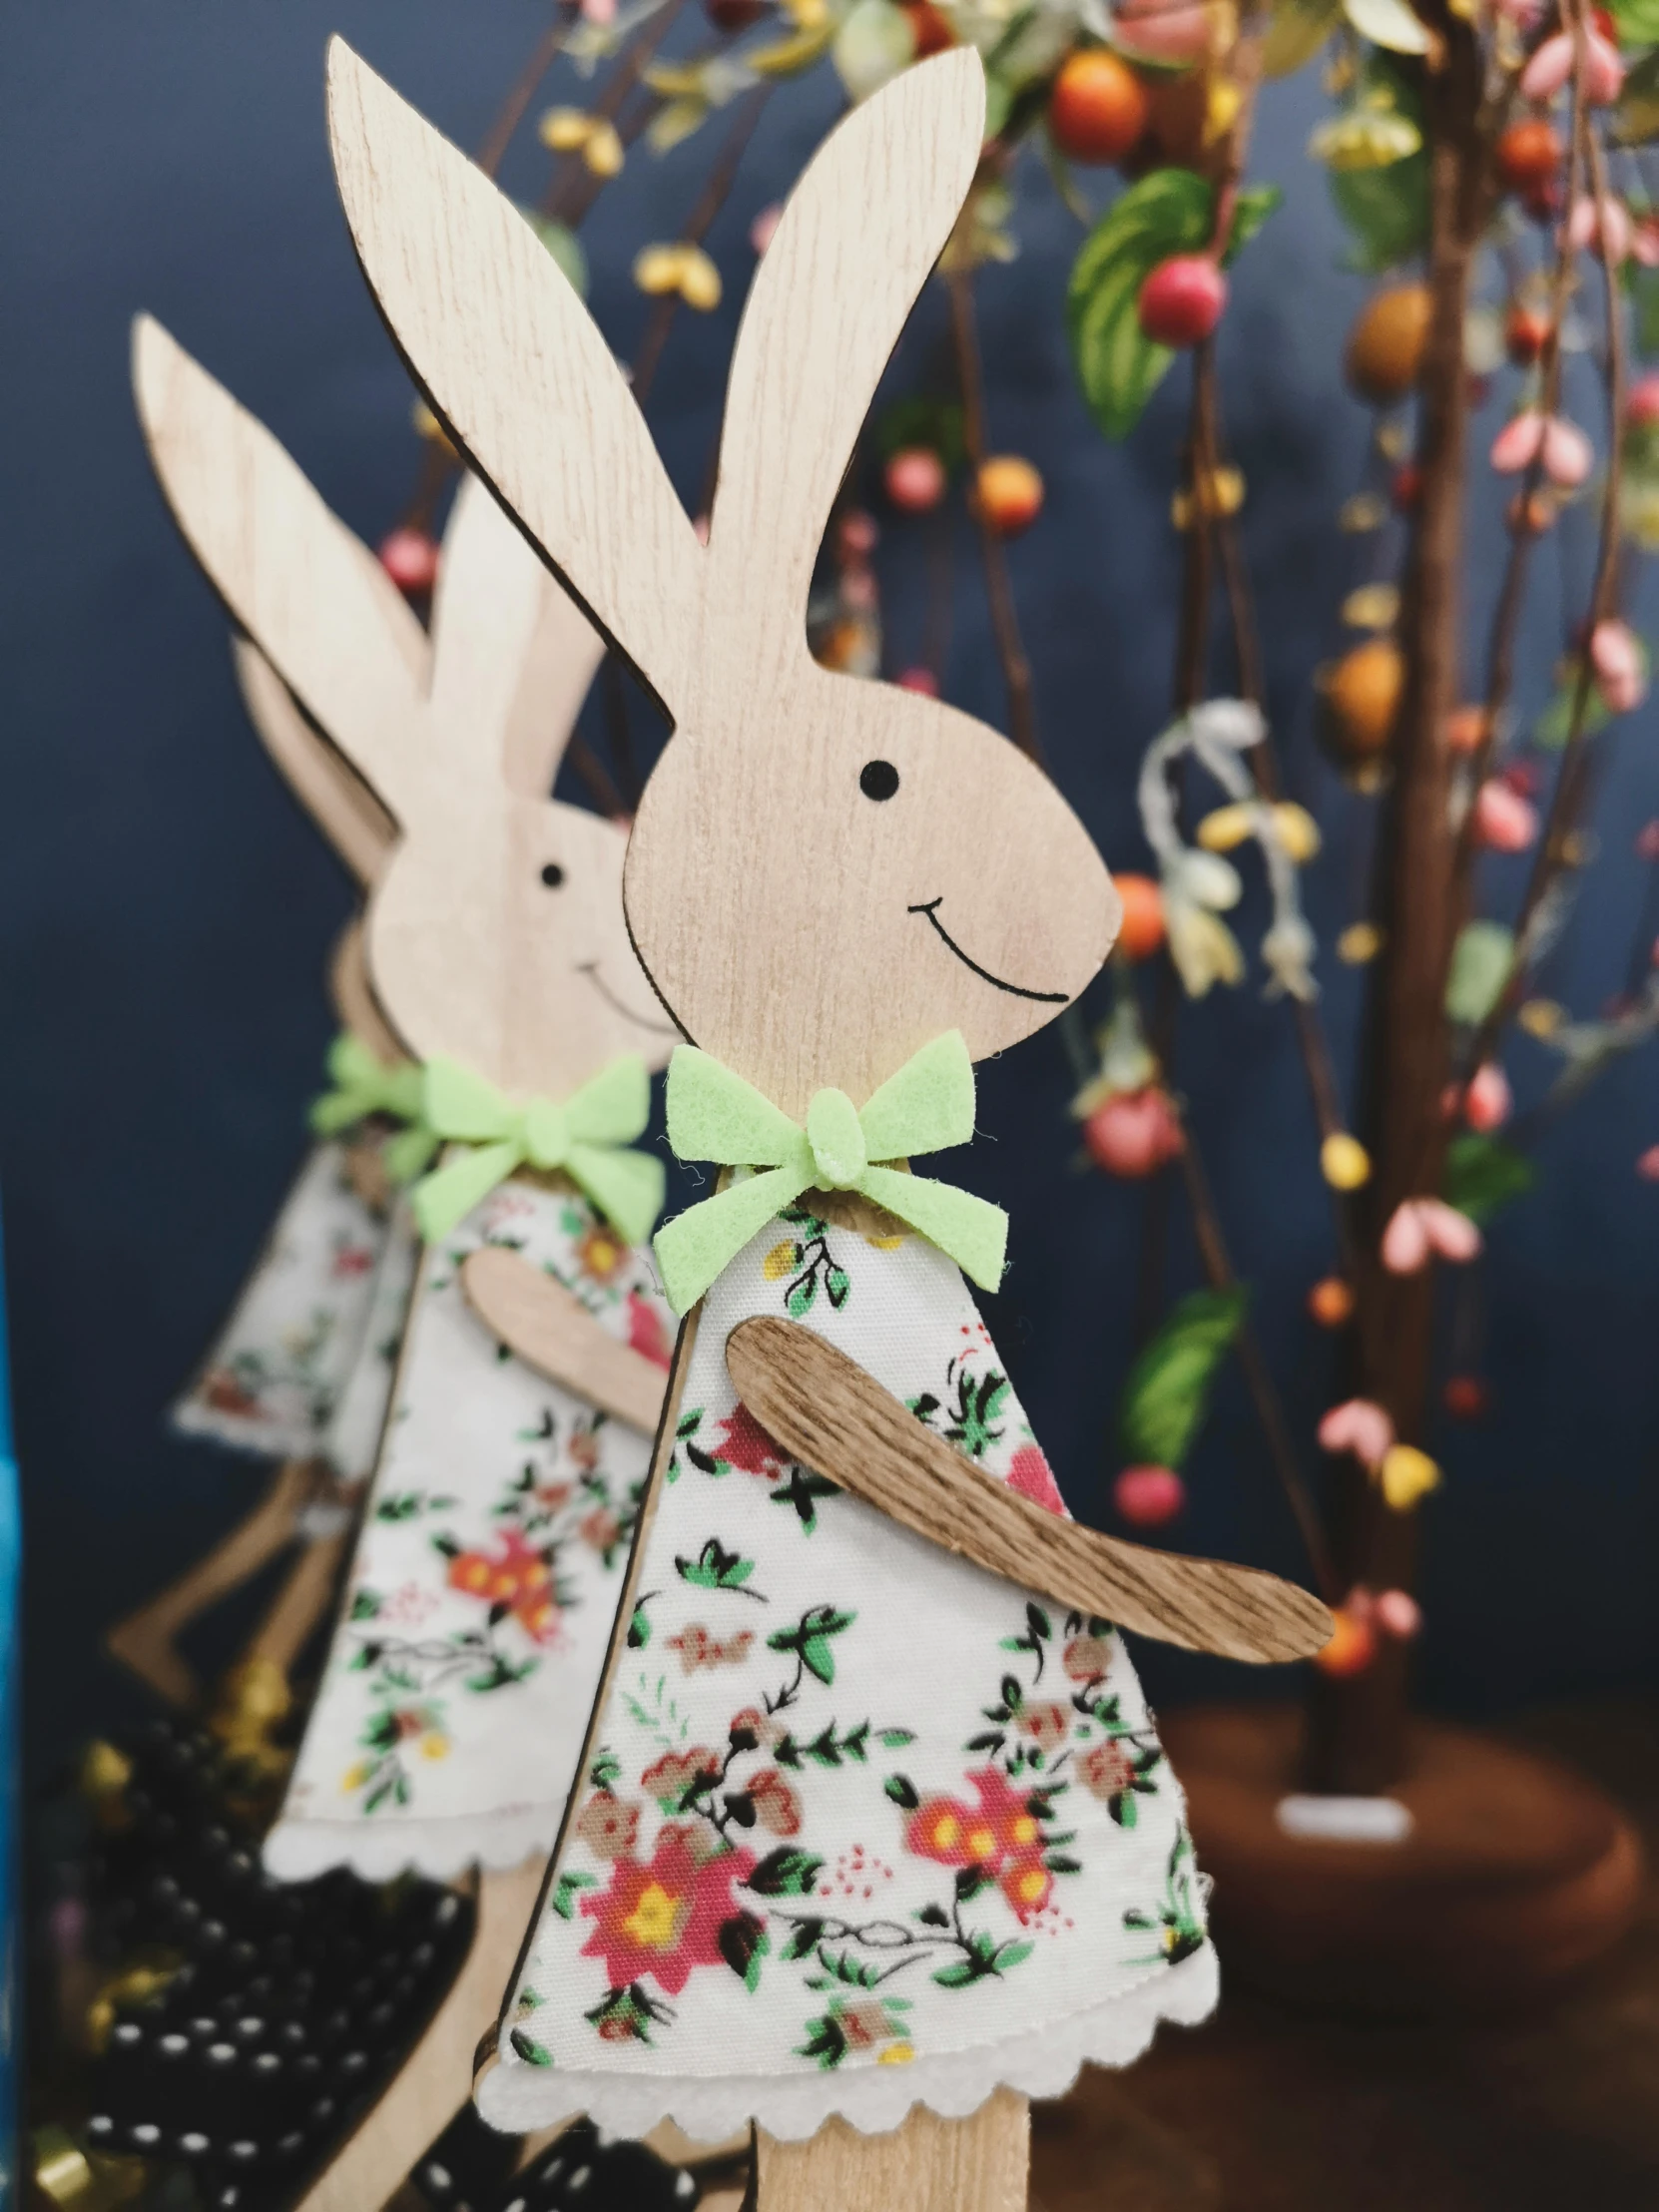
(878, 780)
(552, 875)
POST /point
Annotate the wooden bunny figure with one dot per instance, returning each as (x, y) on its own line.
(874, 1815)
(298, 1371)
(478, 1607)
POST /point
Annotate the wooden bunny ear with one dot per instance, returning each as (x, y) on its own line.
(331, 792)
(859, 234)
(564, 656)
(311, 595)
(514, 365)
(492, 589)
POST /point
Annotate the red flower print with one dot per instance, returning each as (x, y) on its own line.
(601, 1253)
(764, 1727)
(663, 1920)
(645, 1333)
(608, 1827)
(1087, 1658)
(514, 1575)
(697, 1648)
(1030, 1474)
(1026, 1884)
(1046, 1725)
(1106, 1770)
(745, 1443)
(226, 1394)
(554, 1496)
(777, 1804)
(1010, 1814)
(600, 1528)
(353, 1260)
(583, 1449)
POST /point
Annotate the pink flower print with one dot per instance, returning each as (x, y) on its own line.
(745, 1443)
(608, 1827)
(645, 1333)
(1105, 1771)
(777, 1803)
(1030, 1474)
(698, 1648)
(1046, 1725)
(1087, 1658)
(1361, 1428)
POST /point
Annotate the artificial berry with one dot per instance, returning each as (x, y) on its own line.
(930, 27)
(1353, 1644)
(1098, 107)
(734, 15)
(1008, 493)
(1386, 346)
(1361, 699)
(920, 680)
(1406, 488)
(1641, 406)
(1142, 929)
(1525, 334)
(410, 559)
(1330, 1301)
(1182, 299)
(1528, 154)
(914, 479)
(1466, 1396)
(1148, 1496)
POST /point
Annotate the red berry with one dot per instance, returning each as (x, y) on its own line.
(1528, 154)
(1641, 408)
(1353, 1644)
(734, 15)
(1407, 488)
(929, 27)
(919, 680)
(1525, 334)
(1148, 1496)
(914, 479)
(1133, 1133)
(1008, 492)
(1182, 301)
(1466, 1396)
(1142, 929)
(1098, 107)
(410, 559)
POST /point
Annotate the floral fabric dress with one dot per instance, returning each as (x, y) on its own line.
(456, 1694)
(275, 1376)
(864, 1825)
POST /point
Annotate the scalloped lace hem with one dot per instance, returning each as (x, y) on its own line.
(258, 1439)
(519, 2098)
(300, 1851)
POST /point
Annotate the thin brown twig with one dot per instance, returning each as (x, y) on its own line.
(1016, 668)
(548, 48)
(574, 186)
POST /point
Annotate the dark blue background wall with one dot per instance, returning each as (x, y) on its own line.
(165, 911)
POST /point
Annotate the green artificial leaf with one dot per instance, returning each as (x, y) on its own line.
(1480, 963)
(1636, 117)
(919, 420)
(1554, 726)
(1386, 210)
(1482, 1175)
(565, 247)
(1168, 1389)
(1637, 22)
(1118, 366)
(1296, 32)
(1249, 210)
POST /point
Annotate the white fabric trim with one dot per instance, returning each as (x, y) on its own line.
(519, 2098)
(299, 1850)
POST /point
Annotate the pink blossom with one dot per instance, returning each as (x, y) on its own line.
(1567, 452)
(1485, 1103)
(1617, 659)
(1421, 1226)
(1358, 1426)
(1644, 241)
(1647, 1163)
(764, 228)
(1647, 840)
(1551, 66)
(919, 680)
(1641, 406)
(1504, 822)
(1398, 1614)
(1607, 226)
(599, 11)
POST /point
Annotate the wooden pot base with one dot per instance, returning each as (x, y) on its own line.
(1517, 1872)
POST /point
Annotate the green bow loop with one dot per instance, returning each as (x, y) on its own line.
(926, 1106)
(586, 1135)
(365, 1085)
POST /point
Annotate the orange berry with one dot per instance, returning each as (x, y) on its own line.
(1528, 154)
(1525, 334)
(1330, 1301)
(1098, 107)
(1142, 931)
(1008, 493)
(1385, 345)
(1361, 699)
(930, 28)
(1466, 729)
(1352, 1645)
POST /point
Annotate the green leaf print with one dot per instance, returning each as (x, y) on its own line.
(784, 1874)
(743, 1943)
(527, 2048)
(563, 1899)
(716, 1568)
(809, 1638)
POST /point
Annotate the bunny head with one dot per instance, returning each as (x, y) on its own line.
(495, 927)
(824, 873)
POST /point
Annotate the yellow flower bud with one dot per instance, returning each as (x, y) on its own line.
(1226, 828)
(1372, 607)
(779, 1261)
(699, 281)
(1299, 833)
(602, 150)
(1344, 1162)
(1406, 1475)
(1541, 1017)
(1359, 942)
(564, 130)
(657, 269)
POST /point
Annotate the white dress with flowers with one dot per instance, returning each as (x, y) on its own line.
(273, 1381)
(450, 1718)
(866, 1826)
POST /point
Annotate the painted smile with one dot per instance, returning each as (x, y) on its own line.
(930, 907)
(590, 968)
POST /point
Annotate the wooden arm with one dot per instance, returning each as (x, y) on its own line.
(828, 1413)
(553, 1332)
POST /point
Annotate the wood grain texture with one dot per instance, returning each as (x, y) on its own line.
(495, 925)
(303, 1602)
(971, 897)
(928, 2165)
(553, 1332)
(146, 1640)
(828, 1413)
(330, 791)
(435, 2079)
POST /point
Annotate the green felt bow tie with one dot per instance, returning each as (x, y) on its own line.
(586, 1136)
(715, 1115)
(365, 1085)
